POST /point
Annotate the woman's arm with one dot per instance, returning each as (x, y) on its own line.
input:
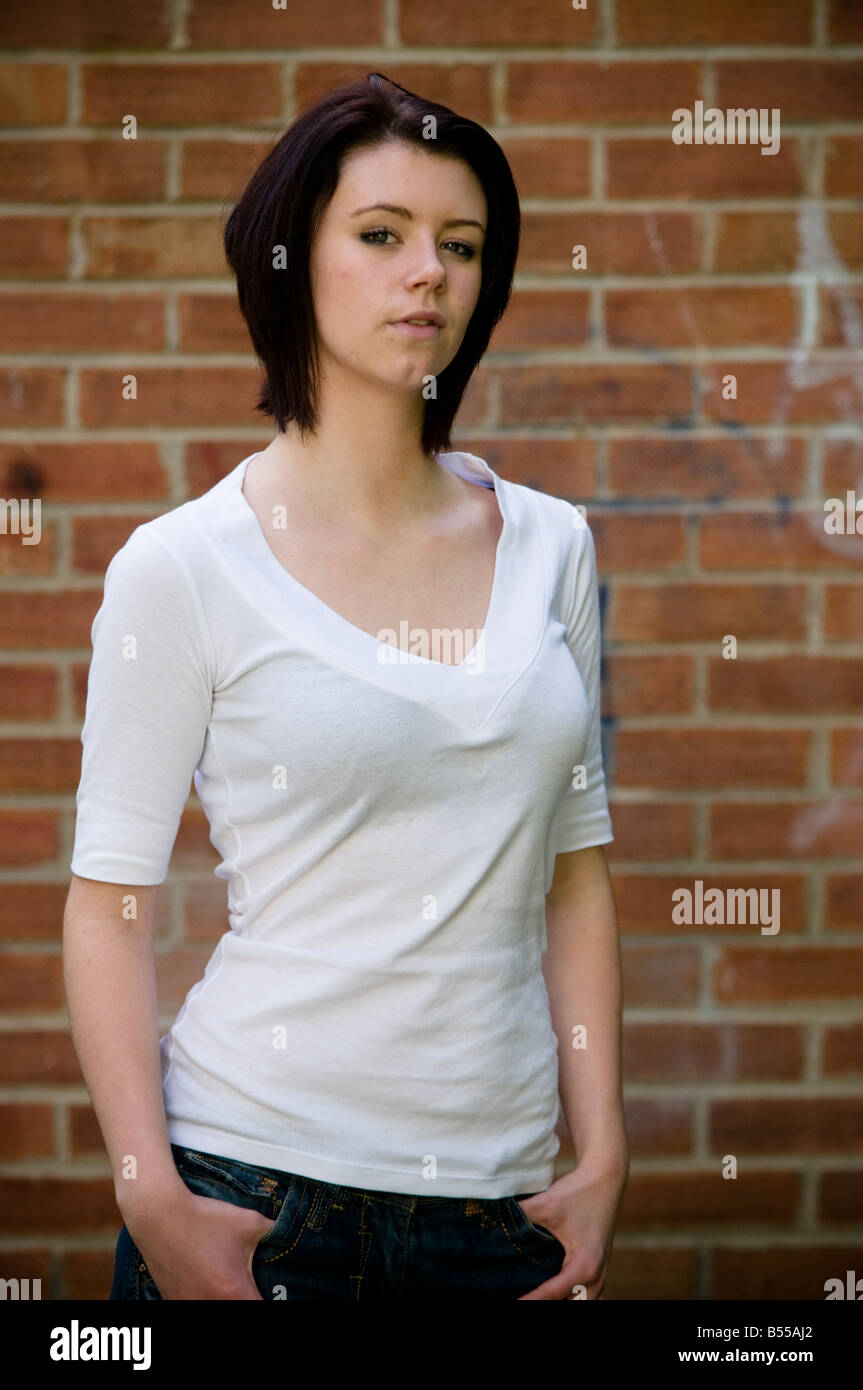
(195, 1247)
(582, 973)
(582, 969)
(110, 977)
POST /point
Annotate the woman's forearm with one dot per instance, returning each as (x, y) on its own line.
(110, 978)
(582, 969)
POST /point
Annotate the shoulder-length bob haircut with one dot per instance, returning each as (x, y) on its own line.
(283, 203)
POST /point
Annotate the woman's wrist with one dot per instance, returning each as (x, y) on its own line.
(161, 1185)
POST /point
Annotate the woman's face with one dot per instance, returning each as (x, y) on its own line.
(370, 265)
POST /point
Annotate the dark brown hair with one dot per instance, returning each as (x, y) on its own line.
(283, 203)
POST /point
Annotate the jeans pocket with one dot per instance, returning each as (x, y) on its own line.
(294, 1204)
(228, 1180)
(132, 1279)
(537, 1241)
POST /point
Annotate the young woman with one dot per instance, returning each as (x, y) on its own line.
(379, 661)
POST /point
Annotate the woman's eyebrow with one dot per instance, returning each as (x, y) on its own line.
(405, 212)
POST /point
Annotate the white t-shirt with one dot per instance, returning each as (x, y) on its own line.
(376, 1014)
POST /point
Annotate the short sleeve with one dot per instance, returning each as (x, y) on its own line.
(149, 701)
(582, 818)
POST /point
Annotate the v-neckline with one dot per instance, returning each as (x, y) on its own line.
(395, 656)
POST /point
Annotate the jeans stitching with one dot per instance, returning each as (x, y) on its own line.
(512, 1237)
(311, 1208)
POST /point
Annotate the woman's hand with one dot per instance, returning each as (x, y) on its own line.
(581, 1210)
(199, 1247)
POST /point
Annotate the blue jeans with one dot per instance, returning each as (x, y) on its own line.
(331, 1242)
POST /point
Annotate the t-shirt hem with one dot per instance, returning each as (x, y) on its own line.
(336, 1171)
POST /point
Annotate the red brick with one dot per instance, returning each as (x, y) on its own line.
(842, 1049)
(709, 467)
(212, 323)
(152, 247)
(775, 540)
(840, 316)
(88, 1274)
(170, 397)
(843, 612)
(30, 621)
(32, 93)
(462, 86)
(39, 1056)
(193, 850)
(549, 168)
(649, 832)
(622, 243)
(500, 23)
(205, 913)
(652, 1272)
(645, 903)
(26, 1131)
(32, 911)
(85, 1136)
(27, 692)
(31, 982)
(660, 977)
(28, 837)
(726, 22)
(786, 684)
(758, 1274)
(675, 1199)
(539, 319)
(34, 248)
(228, 25)
(657, 168)
(843, 166)
(710, 757)
(842, 465)
(636, 542)
(773, 974)
(29, 1262)
(31, 395)
(560, 392)
(209, 460)
(82, 321)
(829, 828)
(845, 230)
(710, 316)
(214, 169)
(658, 1125)
(844, 22)
(793, 1125)
(712, 1052)
(812, 89)
(617, 91)
(84, 471)
(840, 1196)
(176, 973)
(185, 94)
(677, 613)
(561, 467)
(846, 755)
(638, 685)
(844, 901)
(756, 241)
(96, 539)
(21, 561)
(96, 25)
(39, 764)
(73, 171)
(57, 1205)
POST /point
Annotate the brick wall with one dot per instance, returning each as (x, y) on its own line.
(603, 385)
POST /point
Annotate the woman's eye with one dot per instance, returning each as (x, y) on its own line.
(465, 251)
